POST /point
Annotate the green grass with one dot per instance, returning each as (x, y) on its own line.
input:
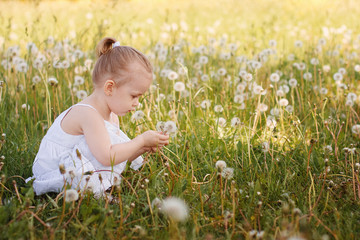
(284, 192)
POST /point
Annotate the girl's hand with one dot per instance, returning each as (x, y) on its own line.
(152, 149)
(152, 139)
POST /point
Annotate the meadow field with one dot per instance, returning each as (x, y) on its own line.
(264, 94)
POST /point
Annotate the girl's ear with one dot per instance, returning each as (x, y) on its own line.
(109, 87)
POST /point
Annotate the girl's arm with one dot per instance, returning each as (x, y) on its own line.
(98, 140)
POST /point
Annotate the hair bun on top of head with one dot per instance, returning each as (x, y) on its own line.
(105, 45)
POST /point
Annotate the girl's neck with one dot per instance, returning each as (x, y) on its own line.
(98, 102)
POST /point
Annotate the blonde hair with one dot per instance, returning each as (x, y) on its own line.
(113, 62)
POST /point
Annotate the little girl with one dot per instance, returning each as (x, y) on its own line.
(86, 137)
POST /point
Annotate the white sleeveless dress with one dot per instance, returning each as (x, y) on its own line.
(58, 147)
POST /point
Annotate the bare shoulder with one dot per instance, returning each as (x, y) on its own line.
(79, 117)
(115, 119)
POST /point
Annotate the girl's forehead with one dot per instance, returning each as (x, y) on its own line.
(140, 82)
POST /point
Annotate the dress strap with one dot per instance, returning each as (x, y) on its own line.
(85, 105)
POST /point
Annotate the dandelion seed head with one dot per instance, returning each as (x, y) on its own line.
(81, 94)
(241, 87)
(337, 76)
(221, 121)
(227, 173)
(283, 102)
(156, 203)
(137, 116)
(172, 75)
(170, 127)
(179, 86)
(326, 68)
(356, 129)
(274, 77)
(265, 147)
(357, 68)
(205, 104)
(175, 208)
(263, 107)
(78, 80)
(220, 164)
(298, 44)
(289, 108)
(293, 82)
(222, 71)
(52, 81)
(235, 121)
(71, 195)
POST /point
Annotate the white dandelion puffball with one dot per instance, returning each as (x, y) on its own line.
(227, 173)
(291, 57)
(218, 108)
(337, 76)
(220, 164)
(172, 113)
(138, 115)
(25, 106)
(257, 89)
(256, 64)
(326, 68)
(78, 80)
(205, 104)
(271, 122)
(328, 148)
(285, 88)
(349, 103)
(323, 91)
(263, 107)
(160, 126)
(272, 43)
(160, 97)
(274, 77)
(265, 147)
(172, 75)
(221, 121)
(280, 93)
(357, 68)
(203, 60)
(314, 61)
(235, 121)
(307, 76)
(356, 129)
(248, 77)
(52, 80)
(71, 195)
(298, 43)
(222, 71)
(205, 78)
(275, 112)
(175, 208)
(81, 94)
(289, 108)
(36, 79)
(293, 82)
(351, 96)
(342, 71)
(242, 73)
(170, 127)
(301, 66)
(283, 102)
(239, 98)
(179, 86)
(156, 203)
(241, 87)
